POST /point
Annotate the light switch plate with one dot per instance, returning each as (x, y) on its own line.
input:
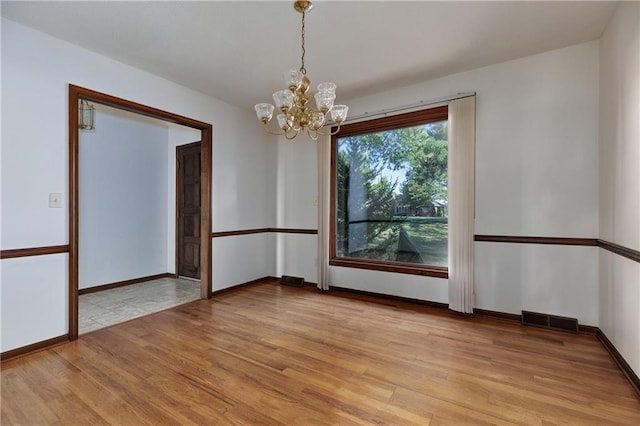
(55, 200)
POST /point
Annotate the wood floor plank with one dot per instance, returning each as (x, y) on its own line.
(276, 355)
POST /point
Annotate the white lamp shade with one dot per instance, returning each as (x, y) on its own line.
(339, 113)
(283, 100)
(264, 111)
(292, 79)
(324, 100)
(283, 122)
(317, 120)
(327, 87)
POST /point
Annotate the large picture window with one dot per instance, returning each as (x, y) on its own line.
(389, 204)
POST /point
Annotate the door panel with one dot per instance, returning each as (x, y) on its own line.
(188, 210)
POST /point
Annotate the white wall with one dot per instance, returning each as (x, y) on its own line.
(619, 189)
(537, 127)
(297, 191)
(122, 198)
(253, 256)
(38, 68)
(34, 299)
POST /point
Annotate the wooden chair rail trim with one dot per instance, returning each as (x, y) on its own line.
(294, 231)
(264, 230)
(627, 252)
(564, 241)
(33, 251)
(618, 249)
(238, 232)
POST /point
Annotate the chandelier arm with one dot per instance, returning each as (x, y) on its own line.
(269, 131)
(286, 135)
(314, 136)
(329, 133)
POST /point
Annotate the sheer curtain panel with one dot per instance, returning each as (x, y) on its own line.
(462, 137)
(324, 172)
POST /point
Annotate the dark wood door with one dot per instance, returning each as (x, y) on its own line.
(188, 210)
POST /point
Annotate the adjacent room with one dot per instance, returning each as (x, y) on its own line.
(434, 219)
(129, 221)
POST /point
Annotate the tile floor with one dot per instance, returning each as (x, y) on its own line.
(108, 307)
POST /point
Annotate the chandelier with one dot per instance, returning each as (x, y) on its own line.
(297, 114)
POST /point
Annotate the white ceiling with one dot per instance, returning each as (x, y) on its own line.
(237, 51)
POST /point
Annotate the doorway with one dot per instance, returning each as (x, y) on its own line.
(77, 93)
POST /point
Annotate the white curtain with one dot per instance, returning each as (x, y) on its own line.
(324, 156)
(462, 137)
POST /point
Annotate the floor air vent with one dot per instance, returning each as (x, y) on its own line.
(292, 281)
(552, 322)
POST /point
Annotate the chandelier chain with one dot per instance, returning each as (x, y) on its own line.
(303, 70)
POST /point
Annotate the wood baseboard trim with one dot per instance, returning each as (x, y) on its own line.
(480, 312)
(33, 251)
(620, 361)
(496, 314)
(381, 296)
(34, 347)
(124, 283)
(589, 329)
(237, 287)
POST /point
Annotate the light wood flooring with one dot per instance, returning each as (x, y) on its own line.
(268, 354)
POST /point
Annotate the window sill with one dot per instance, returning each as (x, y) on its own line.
(397, 267)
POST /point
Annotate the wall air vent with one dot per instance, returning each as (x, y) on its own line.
(552, 322)
(292, 281)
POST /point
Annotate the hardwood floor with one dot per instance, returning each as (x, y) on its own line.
(278, 355)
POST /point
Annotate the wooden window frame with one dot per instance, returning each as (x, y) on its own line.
(399, 121)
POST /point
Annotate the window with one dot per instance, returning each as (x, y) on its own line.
(389, 194)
